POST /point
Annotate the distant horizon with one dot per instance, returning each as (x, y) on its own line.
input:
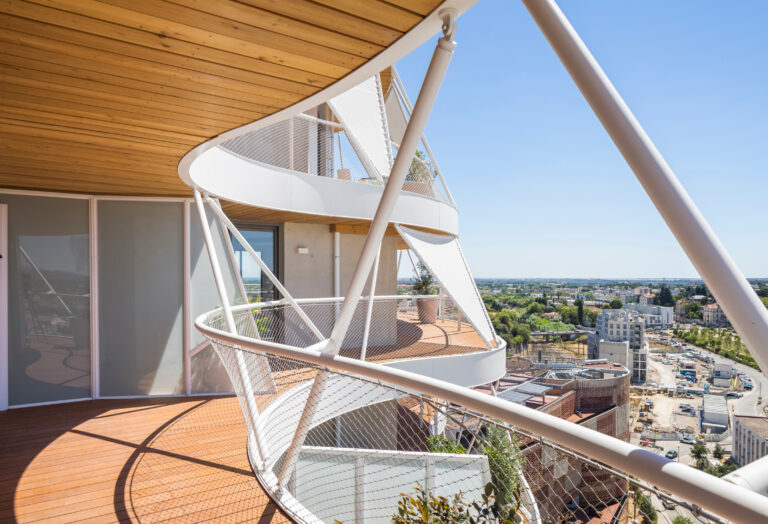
(619, 279)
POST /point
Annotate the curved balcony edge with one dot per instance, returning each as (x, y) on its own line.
(258, 185)
(422, 32)
(700, 489)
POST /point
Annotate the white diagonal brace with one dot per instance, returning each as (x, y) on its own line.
(271, 276)
(250, 400)
(432, 81)
(732, 291)
(426, 99)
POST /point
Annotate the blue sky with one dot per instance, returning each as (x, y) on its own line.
(542, 190)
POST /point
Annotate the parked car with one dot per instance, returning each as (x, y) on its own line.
(734, 394)
(687, 440)
(671, 454)
(748, 387)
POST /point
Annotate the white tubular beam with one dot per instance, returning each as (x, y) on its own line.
(429, 89)
(369, 312)
(753, 476)
(432, 81)
(303, 427)
(715, 494)
(256, 258)
(696, 237)
(253, 410)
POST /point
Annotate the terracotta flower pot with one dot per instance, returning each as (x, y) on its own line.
(427, 308)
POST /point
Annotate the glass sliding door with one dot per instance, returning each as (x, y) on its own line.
(141, 297)
(263, 240)
(49, 349)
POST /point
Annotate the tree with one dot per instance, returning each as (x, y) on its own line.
(694, 310)
(664, 298)
(718, 452)
(615, 304)
(700, 452)
(681, 520)
(579, 303)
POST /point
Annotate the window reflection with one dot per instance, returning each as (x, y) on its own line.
(263, 241)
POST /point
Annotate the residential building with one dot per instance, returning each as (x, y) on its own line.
(654, 316)
(681, 310)
(713, 316)
(203, 210)
(621, 325)
(645, 299)
(750, 438)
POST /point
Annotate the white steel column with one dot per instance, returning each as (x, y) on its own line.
(187, 308)
(336, 264)
(432, 81)
(369, 312)
(732, 291)
(426, 99)
(253, 410)
(93, 247)
(4, 368)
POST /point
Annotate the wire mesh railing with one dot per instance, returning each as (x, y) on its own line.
(401, 327)
(313, 146)
(378, 453)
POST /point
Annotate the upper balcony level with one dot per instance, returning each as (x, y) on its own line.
(328, 163)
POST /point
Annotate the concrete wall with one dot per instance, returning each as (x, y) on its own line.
(617, 352)
(311, 275)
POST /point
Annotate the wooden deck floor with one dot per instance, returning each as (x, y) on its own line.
(157, 460)
(129, 460)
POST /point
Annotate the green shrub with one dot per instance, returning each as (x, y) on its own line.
(423, 508)
(646, 508)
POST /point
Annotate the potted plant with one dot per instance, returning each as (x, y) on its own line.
(420, 176)
(424, 284)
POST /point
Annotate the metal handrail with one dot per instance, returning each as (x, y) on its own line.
(717, 495)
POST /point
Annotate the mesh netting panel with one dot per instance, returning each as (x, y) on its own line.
(305, 145)
(398, 329)
(374, 452)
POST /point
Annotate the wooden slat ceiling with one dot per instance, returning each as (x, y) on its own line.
(106, 97)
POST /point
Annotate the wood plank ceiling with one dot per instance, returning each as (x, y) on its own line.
(105, 97)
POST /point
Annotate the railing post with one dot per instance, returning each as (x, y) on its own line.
(251, 408)
(369, 311)
(359, 490)
(290, 144)
(693, 233)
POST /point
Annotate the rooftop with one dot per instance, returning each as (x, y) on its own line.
(756, 423)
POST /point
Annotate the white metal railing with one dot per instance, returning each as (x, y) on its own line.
(690, 488)
(314, 146)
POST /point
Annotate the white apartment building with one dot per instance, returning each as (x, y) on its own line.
(622, 325)
(750, 438)
(654, 316)
(645, 299)
(713, 316)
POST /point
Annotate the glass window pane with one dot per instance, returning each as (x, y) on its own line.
(141, 271)
(49, 351)
(257, 285)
